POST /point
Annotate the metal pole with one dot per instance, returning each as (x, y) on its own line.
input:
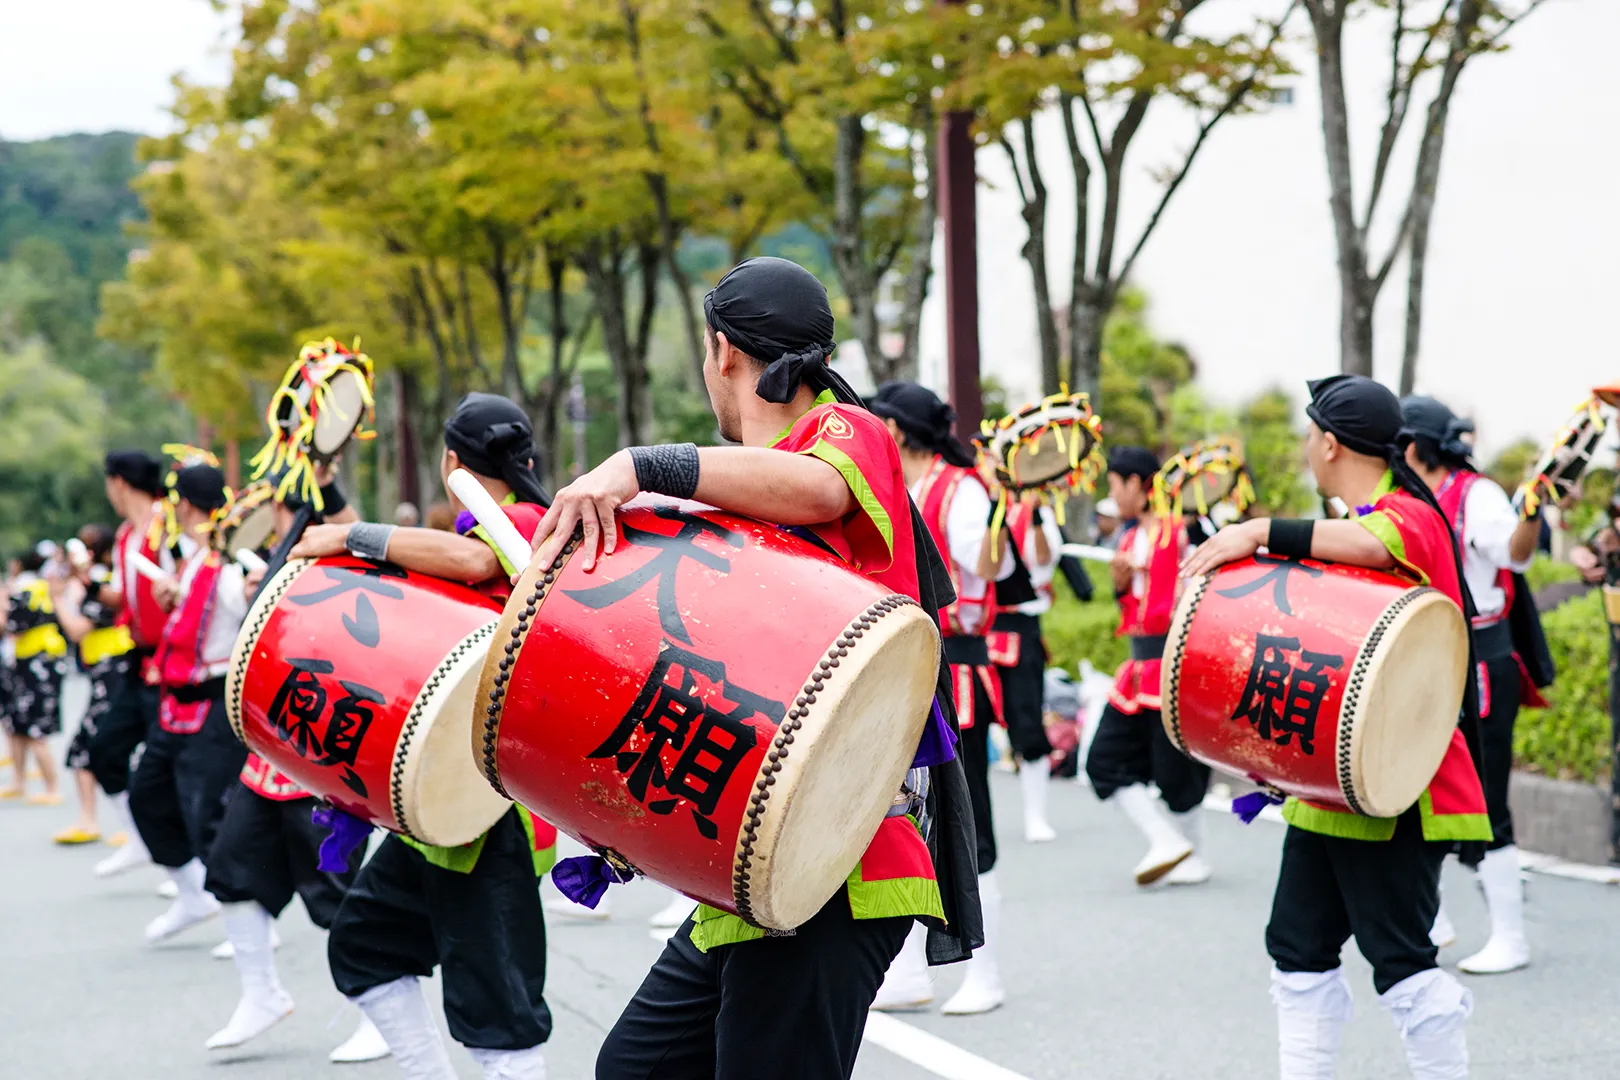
(578, 416)
(958, 182)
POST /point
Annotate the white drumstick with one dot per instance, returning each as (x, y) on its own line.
(250, 561)
(148, 569)
(1088, 551)
(464, 486)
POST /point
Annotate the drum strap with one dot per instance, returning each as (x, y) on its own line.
(1494, 641)
(1149, 647)
(207, 690)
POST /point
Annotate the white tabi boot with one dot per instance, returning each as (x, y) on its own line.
(1442, 934)
(1431, 1011)
(400, 1011)
(1194, 869)
(672, 914)
(527, 1064)
(366, 1044)
(191, 905)
(981, 990)
(225, 950)
(1035, 777)
(133, 854)
(1166, 846)
(265, 1003)
(1312, 1009)
(1507, 949)
(907, 986)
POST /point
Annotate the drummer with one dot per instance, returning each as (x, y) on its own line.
(192, 758)
(473, 911)
(1497, 545)
(267, 849)
(1130, 749)
(956, 506)
(134, 485)
(1343, 874)
(726, 999)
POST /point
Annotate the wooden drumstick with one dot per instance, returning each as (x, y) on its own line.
(464, 486)
(249, 561)
(1088, 551)
(148, 569)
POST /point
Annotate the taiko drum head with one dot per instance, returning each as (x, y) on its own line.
(1037, 447)
(1336, 684)
(718, 705)
(250, 520)
(358, 680)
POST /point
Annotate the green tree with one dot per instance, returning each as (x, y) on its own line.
(51, 430)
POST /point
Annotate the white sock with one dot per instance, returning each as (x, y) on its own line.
(527, 1064)
(189, 880)
(1312, 1009)
(1431, 1011)
(248, 926)
(401, 1013)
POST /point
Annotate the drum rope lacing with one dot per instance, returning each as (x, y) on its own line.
(741, 882)
(1172, 700)
(407, 731)
(263, 607)
(497, 694)
(1352, 692)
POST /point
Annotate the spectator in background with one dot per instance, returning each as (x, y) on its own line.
(1107, 524)
(407, 516)
(441, 516)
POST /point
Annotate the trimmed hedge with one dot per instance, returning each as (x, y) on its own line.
(1568, 740)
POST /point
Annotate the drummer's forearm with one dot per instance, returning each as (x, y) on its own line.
(1522, 545)
(782, 488)
(346, 516)
(1345, 541)
(443, 554)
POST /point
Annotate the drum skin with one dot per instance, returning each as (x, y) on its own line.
(345, 677)
(1335, 684)
(719, 705)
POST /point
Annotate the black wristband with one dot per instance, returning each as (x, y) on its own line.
(1290, 537)
(333, 500)
(667, 470)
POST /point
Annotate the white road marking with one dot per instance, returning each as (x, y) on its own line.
(930, 1052)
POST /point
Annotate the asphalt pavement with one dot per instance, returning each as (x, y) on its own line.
(1105, 981)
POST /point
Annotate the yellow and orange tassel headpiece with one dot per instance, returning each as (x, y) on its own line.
(300, 406)
(1211, 472)
(1052, 447)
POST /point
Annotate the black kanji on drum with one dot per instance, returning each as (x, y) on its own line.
(363, 626)
(299, 705)
(692, 729)
(1283, 696)
(1276, 577)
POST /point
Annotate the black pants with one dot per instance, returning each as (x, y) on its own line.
(1023, 688)
(1496, 733)
(974, 750)
(781, 1008)
(404, 916)
(267, 849)
(177, 795)
(1383, 892)
(131, 712)
(1135, 750)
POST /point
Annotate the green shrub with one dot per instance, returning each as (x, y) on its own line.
(1570, 739)
(1076, 631)
(1545, 571)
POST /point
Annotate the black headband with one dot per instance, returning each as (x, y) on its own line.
(493, 438)
(777, 312)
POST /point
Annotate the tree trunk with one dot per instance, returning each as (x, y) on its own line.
(922, 257)
(603, 264)
(848, 248)
(406, 457)
(1085, 322)
(1426, 184)
(1034, 253)
(1086, 318)
(556, 308)
(1355, 292)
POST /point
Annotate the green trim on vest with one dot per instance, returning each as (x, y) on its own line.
(858, 487)
(712, 928)
(462, 859)
(1340, 823)
(894, 897)
(1453, 826)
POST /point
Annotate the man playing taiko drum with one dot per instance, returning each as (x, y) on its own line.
(725, 999)
(1343, 874)
(474, 910)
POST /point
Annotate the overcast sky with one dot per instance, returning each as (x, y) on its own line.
(100, 65)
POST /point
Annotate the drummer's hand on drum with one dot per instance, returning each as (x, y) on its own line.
(1228, 545)
(320, 541)
(588, 502)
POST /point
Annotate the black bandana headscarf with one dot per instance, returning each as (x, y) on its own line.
(1129, 461)
(493, 437)
(1426, 418)
(138, 469)
(203, 486)
(777, 312)
(926, 420)
(1365, 416)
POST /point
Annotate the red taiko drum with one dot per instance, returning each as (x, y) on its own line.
(358, 680)
(1336, 684)
(719, 705)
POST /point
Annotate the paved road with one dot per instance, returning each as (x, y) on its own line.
(1106, 982)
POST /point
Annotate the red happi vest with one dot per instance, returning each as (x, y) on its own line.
(938, 489)
(142, 613)
(179, 660)
(1019, 523)
(1136, 682)
(1453, 499)
(263, 778)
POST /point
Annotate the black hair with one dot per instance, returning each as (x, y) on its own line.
(32, 561)
(1433, 457)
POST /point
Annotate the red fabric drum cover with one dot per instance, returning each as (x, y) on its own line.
(358, 680)
(1332, 683)
(719, 705)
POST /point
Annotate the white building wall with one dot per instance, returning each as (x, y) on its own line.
(1523, 266)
